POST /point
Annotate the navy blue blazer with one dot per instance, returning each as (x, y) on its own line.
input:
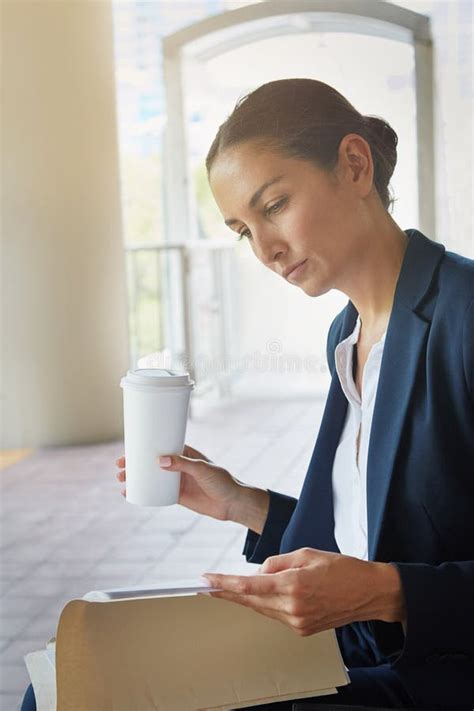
(420, 469)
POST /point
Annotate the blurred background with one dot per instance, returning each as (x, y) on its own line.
(114, 254)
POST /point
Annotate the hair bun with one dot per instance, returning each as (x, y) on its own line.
(381, 130)
(384, 140)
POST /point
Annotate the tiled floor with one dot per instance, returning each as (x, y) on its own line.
(66, 529)
(11, 456)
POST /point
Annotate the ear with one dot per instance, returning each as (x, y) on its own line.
(355, 163)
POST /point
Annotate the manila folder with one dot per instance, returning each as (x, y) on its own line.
(186, 653)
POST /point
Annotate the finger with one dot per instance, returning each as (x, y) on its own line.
(245, 584)
(271, 603)
(296, 623)
(285, 561)
(191, 452)
(180, 463)
(124, 492)
(121, 476)
(244, 600)
(120, 462)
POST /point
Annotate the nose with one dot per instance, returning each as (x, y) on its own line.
(268, 246)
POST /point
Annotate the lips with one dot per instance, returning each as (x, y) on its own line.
(287, 272)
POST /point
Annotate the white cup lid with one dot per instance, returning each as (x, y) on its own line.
(156, 377)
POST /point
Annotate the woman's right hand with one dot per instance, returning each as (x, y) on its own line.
(205, 487)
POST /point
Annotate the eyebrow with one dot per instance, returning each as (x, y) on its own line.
(256, 197)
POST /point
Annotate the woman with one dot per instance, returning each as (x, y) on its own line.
(380, 544)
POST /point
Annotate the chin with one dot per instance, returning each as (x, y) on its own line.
(314, 289)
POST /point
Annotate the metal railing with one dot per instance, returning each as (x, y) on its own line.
(195, 301)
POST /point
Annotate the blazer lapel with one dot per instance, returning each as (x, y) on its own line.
(316, 498)
(404, 345)
(397, 376)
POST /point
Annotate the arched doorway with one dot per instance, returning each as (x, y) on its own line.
(376, 54)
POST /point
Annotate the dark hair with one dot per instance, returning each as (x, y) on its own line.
(307, 119)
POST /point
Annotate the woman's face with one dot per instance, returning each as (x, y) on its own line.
(303, 214)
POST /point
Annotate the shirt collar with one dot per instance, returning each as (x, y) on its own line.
(344, 360)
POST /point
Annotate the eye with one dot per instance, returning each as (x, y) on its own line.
(271, 210)
(244, 233)
(275, 207)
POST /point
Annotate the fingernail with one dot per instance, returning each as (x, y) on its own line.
(165, 461)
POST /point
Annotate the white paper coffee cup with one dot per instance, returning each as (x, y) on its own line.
(155, 410)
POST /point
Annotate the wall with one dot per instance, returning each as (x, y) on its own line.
(451, 27)
(64, 335)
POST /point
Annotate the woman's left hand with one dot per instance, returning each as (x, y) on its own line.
(311, 590)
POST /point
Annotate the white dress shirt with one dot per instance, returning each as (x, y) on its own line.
(349, 474)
